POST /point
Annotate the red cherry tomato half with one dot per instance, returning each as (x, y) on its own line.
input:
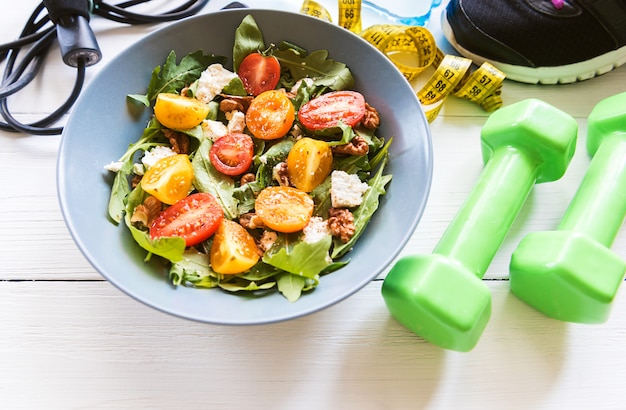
(232, 154)
(194, 218)
(328, 109)
(259, 73)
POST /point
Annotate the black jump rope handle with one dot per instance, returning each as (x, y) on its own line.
(76, 39)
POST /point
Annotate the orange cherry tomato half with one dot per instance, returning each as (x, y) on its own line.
(284, 209)
(259, 73)
(270, 115)
(309, 162)
(328, 109)
(194, 218)
(232, 154)
(233, 249)
(169, 179)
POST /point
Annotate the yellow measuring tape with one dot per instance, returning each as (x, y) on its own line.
(452, 74)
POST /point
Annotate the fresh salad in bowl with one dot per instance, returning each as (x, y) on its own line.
(255, 179)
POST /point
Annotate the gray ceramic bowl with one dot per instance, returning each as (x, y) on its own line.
(100, 129)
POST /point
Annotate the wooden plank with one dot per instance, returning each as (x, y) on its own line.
(87, 345)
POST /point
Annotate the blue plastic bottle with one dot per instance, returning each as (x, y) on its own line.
(410, 12)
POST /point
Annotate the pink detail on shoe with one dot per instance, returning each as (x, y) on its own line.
(558, 4)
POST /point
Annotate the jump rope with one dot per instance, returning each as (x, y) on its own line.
(67, 21)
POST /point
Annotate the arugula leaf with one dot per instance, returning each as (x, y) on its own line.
(171, 248)
(119, 192)
(208, 179)
(248, 39)
(193, 268)
(381, 156)
(322, 199)
(353, 164)
(260, 277)
(235, 87)
(266, 162)
(260, 272)
(316, 65)
(347, 133)
(299, 257)
(140, 98)
(236, 285)
(172, 77)
(369, 135)
(291, 286)
(246, 196)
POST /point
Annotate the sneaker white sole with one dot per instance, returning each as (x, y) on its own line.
(565, 74)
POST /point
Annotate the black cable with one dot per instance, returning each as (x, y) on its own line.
(118, 12)
(41, 127)
(67, 23)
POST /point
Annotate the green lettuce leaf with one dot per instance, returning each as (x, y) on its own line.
(208, 179)
(172, 77)
(236, 285)
(316, 65)
(248, 39)
(298, 257)
(291, 286)
(171, 248)
(193, 268)
(119, 192)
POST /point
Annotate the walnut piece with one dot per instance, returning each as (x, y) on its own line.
(357, 146)
(371, 120)
(235, 103)
(247, 178)
(180, 142)
(135, 181)
(341, 223)
(281, 174)
(145, 213)
(266, 241)
(251, 220)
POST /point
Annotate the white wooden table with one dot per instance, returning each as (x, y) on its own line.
(70, 340)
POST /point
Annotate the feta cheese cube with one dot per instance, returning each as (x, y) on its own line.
(236, 121)
(213, 129)
(114, 166)
(316, 230)
(346, 190)
(138, 169)
(151, 157)
(212, 81)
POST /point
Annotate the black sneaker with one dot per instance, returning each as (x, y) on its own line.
(540, 41)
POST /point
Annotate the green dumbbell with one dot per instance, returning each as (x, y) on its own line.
(440, 296)
(571, 274)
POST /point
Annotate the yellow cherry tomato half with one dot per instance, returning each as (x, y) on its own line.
(169, 179)
(233, 249)
(309, 162)
(179, 112)
(270, 115)
(284, 209)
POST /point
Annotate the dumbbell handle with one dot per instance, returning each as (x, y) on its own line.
(481, 224)
(599, 206)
